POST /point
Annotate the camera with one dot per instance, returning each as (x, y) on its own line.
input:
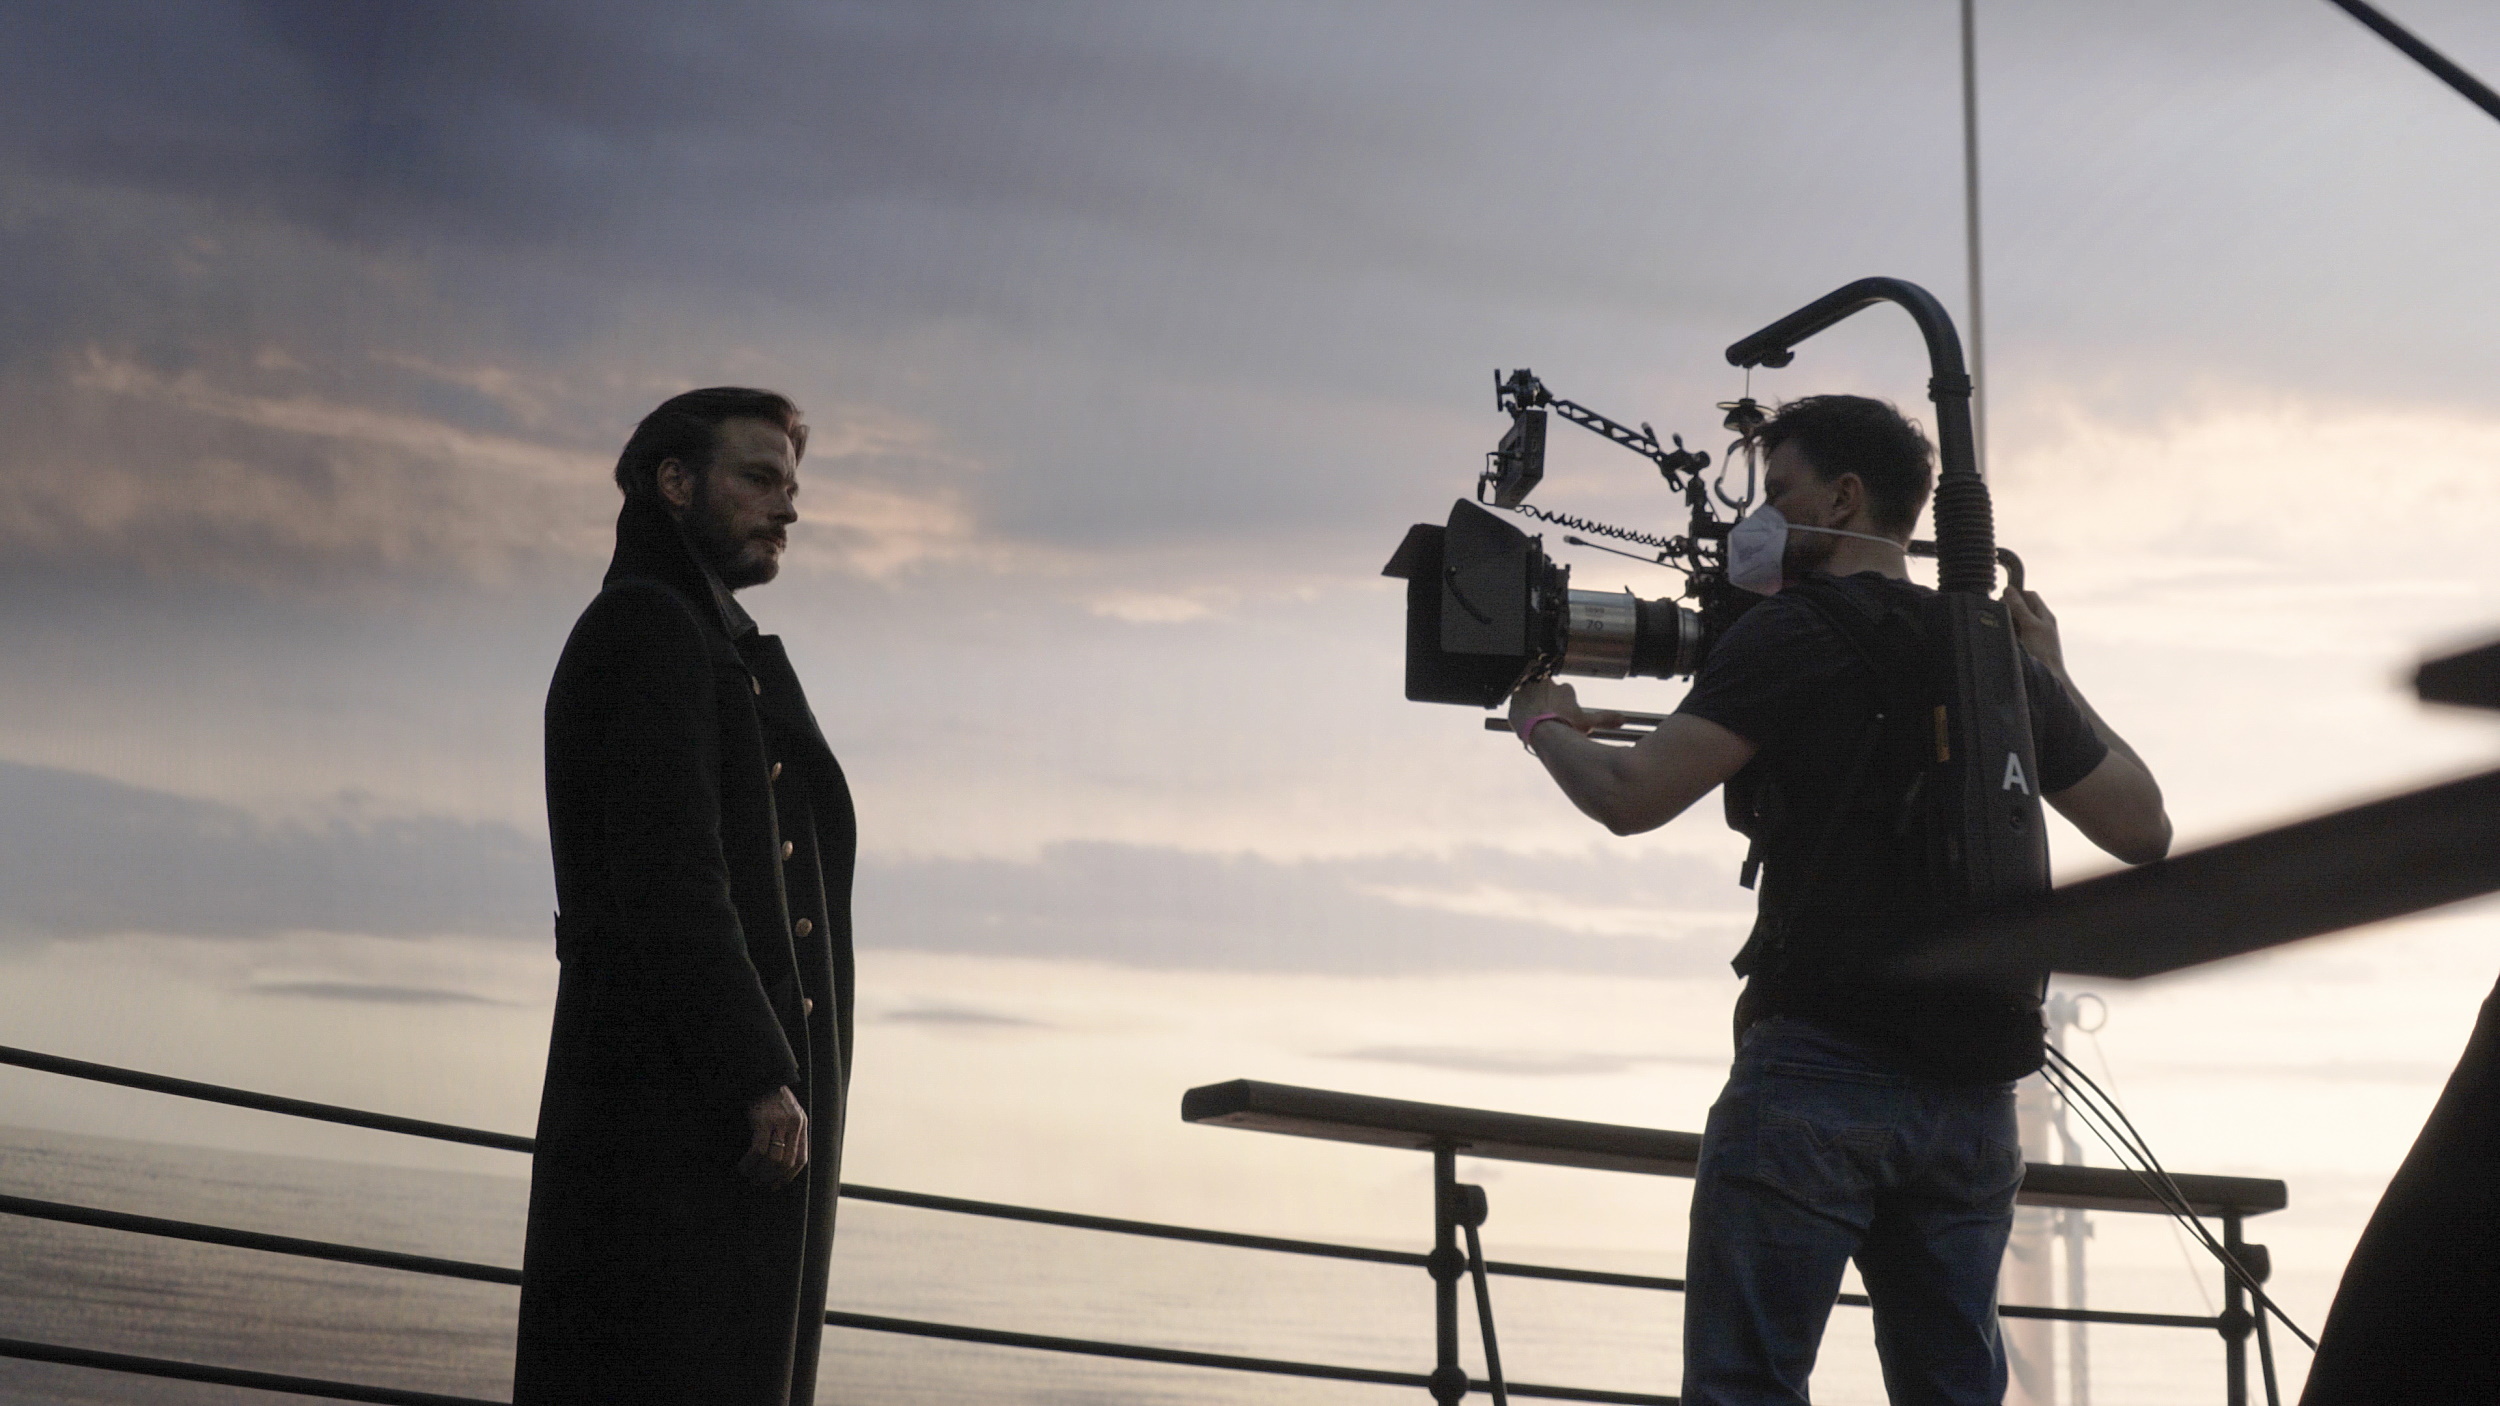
(1487, 609)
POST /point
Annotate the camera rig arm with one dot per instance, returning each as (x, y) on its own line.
(1521, 391)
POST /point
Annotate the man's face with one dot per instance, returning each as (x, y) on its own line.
(739, 511)
(1791, 484)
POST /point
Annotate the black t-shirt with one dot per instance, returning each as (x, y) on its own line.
(1786, 680)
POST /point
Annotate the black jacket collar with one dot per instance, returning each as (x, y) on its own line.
(649, 543)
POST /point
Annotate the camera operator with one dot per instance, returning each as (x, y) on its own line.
(1864, 1118)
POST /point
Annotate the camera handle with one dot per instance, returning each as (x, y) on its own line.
(1635, 726)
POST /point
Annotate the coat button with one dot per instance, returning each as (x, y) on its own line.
(775, 773)
(786, 847)
(802, 927)
(755, 683)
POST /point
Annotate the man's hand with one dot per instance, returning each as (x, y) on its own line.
(778, 1150)
(1543, 695)
(2118, 805)
(2037, 628)
(1627, 789)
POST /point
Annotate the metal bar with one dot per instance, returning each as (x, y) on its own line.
(267, 1103)
(1002, 1211)
(498, 1274)
(2234, 1322)
(1633, 731)
(1970, 237)
(1519, 1137)
(1184, 1357)
(459, 1269)
(2472, 89)
(256, 1240)
(2075, 1315)
(2104, 1315)
(1585, 1276)
(1448, 1381)
(26, 1351)
(1588, 419)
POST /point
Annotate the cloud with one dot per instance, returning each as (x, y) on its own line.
(82, 857)
(1535, 1064)
(257, 469)
(376, 993)
(2341, 1071)
(1146, 906)
(373, 284)
(959, 1016)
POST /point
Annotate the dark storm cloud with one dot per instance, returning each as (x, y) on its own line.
(81, 856)
(1171, 171)
(1145, 274)
(1291, 191)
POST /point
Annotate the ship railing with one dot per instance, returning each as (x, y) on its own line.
(1443, 1132)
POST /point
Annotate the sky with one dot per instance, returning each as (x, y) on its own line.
(1133, 336)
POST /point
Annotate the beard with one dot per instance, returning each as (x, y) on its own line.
(736, 557)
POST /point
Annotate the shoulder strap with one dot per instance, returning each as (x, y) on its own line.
(1836, 609)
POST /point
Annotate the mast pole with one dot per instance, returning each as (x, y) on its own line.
(1977, 322)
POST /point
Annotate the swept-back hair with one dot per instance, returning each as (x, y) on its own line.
(687, 428)
(1852, 434)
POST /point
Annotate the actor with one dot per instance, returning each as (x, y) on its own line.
(690, 1133)
(1865, 1118)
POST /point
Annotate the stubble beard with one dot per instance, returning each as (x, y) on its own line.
(736, 559)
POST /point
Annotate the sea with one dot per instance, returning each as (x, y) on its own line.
(130, 1293)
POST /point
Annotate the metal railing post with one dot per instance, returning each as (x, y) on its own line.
(2235, 1320)
(1447, 1263)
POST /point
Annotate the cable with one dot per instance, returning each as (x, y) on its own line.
(2103, 1116)
(2106, 1120)
(2164, 1190)
(1602, 529)
(2178, 1237)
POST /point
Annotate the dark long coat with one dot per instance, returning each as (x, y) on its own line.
(703, 840)
(2413, 1319)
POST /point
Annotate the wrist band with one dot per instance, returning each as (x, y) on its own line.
(1529, 727)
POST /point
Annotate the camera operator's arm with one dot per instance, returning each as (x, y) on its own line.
(1626, 789)
(2118, 804)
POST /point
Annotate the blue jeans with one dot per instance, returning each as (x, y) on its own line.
(1816, 1154)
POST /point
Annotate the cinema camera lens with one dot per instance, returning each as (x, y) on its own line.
(1486, 609)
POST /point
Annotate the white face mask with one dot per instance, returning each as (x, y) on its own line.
(1757, 548)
